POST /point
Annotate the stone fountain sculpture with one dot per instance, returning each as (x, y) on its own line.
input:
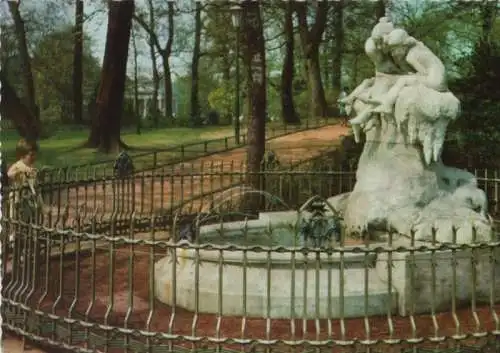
(402, 183)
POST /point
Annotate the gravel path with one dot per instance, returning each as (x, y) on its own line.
(186, 181)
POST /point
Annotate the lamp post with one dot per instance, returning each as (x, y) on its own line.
(236, 17)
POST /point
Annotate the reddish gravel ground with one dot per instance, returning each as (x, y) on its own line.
(12, 344)
(188, 180)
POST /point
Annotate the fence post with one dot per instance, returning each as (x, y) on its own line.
(205, 146)
(226, 143)
(182, 153)
(155, 159)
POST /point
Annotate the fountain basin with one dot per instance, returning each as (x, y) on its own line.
(428, 280)
(275, 285)
(308, 285)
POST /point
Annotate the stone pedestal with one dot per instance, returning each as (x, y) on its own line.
(426, 280)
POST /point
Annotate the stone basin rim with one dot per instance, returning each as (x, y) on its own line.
(236, 257)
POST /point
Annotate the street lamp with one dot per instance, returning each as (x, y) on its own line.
(236, 17)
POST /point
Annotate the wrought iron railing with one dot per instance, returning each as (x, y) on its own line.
(105, 266)
(188, 152)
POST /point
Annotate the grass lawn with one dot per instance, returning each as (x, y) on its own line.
(61, 148)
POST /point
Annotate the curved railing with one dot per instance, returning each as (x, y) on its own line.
(150, 160)
(94, 270)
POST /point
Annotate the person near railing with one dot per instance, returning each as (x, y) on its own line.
(342, 107)
(23, 198)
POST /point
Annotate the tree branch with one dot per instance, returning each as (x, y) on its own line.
(316, 33)
(168, 48)
(150, 32)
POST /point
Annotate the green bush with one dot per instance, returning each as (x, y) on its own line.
(221, 100)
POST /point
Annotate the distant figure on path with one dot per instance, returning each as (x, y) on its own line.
(342, 107)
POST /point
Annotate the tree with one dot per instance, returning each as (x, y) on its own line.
(55, 83)
(220, 41)
(254, 61)
(288, 113)
(488, 13)
(338, 25)
(195, 101)
(105, 130)
(310, 39)
(136, 84)
(78, 63)
(12, 108)
(29, 85)
(156, 74)
(164, 51)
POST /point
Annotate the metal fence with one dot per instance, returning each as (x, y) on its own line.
(172, 261)
(185, 153)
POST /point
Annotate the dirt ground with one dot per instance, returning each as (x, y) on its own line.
(11, 344)
(186, 181)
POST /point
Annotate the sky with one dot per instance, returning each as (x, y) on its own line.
(96, 26)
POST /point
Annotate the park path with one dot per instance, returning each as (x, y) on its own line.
(193, 180)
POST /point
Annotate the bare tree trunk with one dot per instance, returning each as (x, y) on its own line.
(288, 112)
(114, 71)
(167, 85)
(93, 140)
(336, 71)
(167, 74)
(78, 64)
(355, 71)
(29, 86)
(226, 76)
(484, 46)
(325, 66)
(311, 40)
(12, 108)
(255, 66)
(319, 107)
(154, 64)
(195, 102)
(136, 86)
(164, 53)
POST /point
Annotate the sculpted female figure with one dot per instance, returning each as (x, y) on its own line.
(421, 100)
(430, 70)
(385, 67)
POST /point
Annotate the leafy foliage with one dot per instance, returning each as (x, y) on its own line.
(222, 100)
(53, 65)
(479, 127)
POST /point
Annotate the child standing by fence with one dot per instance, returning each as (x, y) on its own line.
(23, 198)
